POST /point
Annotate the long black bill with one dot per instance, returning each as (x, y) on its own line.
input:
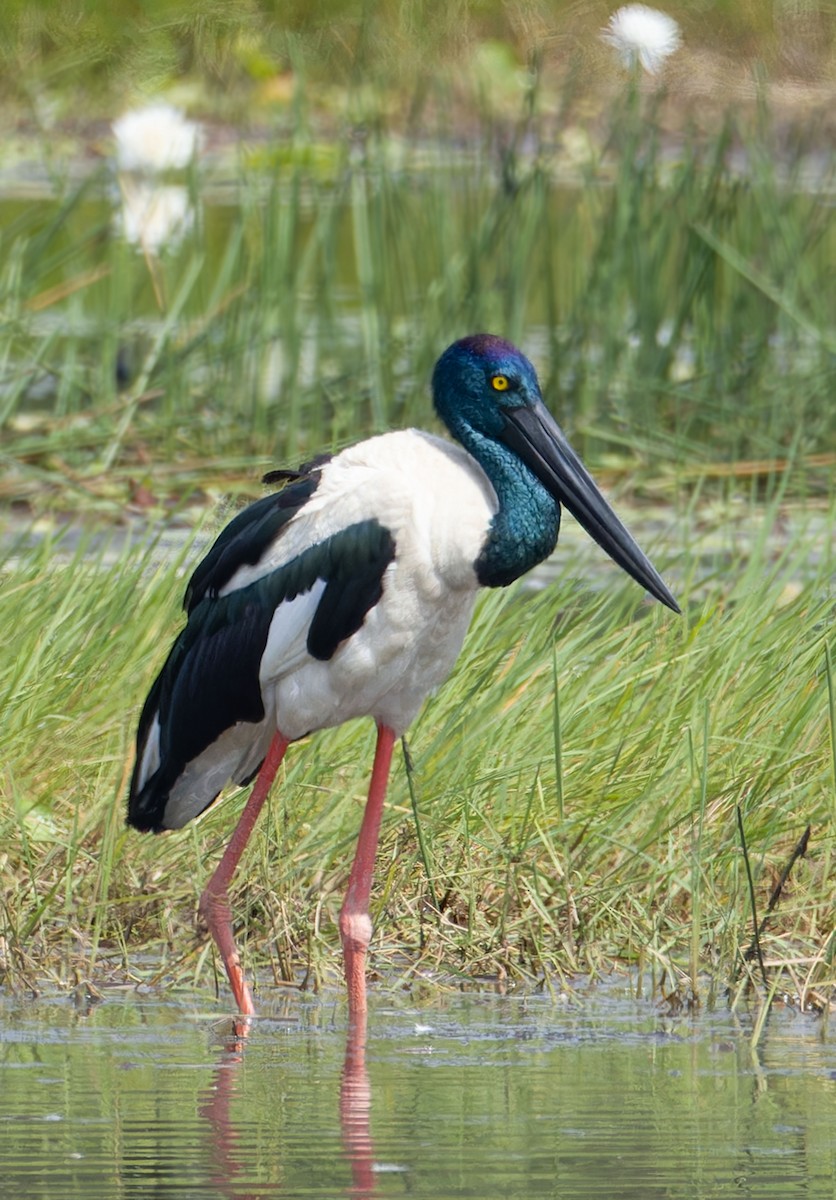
(532, 433)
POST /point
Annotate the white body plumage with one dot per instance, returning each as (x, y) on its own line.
(411, 638)
(408, 641)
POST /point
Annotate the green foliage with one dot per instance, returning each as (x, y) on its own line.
(676, 311)
(573, 797)
(666, 725)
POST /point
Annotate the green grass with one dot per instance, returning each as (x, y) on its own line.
(677, 309)
(665, 725)
(575, 786)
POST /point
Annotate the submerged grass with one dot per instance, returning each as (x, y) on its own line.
(523, 848)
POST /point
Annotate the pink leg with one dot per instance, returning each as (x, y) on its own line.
(214, 902)
(355, 922)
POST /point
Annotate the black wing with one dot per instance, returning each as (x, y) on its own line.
(244, 540)
(210, 681)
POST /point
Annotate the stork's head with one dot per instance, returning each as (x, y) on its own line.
(484, 387)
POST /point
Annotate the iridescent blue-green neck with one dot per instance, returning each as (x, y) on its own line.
(524, 530)
(476, 383)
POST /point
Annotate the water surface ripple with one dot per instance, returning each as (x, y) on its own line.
(473, 1096)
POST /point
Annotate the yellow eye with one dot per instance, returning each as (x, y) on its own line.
(499, 383)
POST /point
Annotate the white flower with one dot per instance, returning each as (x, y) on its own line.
(642, 35)
(153, 218)
(155, 138)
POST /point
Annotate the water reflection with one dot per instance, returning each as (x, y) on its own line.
(153, 216)
(355, 1111)
(227, 1149)
(472, 1096)
(224, 1139)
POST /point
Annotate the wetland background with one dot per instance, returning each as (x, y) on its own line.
(372, 181)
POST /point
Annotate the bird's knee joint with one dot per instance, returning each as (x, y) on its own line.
(212, 907)
(355, 930)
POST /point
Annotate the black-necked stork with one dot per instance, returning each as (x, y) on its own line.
(348, 593)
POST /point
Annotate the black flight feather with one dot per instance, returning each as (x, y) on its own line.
(247, 536)
(210, 681)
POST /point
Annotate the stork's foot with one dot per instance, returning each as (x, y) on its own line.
(214, 910)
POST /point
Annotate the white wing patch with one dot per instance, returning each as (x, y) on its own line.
(150, 760)
(286, 647)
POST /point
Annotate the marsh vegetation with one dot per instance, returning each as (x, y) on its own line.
(572, 803)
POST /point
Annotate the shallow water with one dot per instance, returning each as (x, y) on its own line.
(476, 1096)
